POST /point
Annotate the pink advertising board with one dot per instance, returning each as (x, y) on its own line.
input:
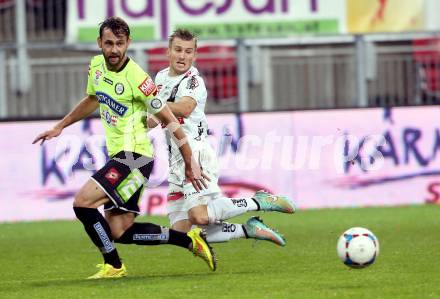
(332, 158)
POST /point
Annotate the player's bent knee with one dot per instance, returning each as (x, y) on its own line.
(198, 219)
(84, 200)
(117, 232)
(119, 222)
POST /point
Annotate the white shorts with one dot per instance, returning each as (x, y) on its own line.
(182, 196)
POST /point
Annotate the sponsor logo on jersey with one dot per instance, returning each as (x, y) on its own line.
(156, 103)
(112, 175)
(192, 83)
(108, 81)
(148, 87)
(119, 88)
(109, 118)
(98, 74)
(116, 107)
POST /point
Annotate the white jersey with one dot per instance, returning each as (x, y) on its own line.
(173, 89)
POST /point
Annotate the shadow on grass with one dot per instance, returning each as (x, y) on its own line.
(14, 286)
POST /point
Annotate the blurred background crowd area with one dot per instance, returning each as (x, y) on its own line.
(255, 55)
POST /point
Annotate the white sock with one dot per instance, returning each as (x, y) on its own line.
(223, 232)
(223, 208)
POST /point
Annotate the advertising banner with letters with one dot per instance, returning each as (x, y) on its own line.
(156, 19)
(333, 158)
(250, 18)
(153, 20)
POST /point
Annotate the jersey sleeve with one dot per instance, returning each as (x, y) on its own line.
(194, 87)
(90, 88)
(145, 90)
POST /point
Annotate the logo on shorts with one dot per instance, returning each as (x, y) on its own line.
(187, 195)
(119, 88)
(174, 196)
(112, 176)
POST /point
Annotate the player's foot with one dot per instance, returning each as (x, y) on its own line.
(270, 202)
(256, 229)
(108, 271)
(201, 248)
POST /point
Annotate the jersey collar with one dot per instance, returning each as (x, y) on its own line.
(124, 65)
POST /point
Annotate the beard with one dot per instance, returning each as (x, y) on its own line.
(113, 59)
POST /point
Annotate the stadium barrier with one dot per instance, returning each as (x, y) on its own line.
(45, 20)
(322, 72)
(321, 159)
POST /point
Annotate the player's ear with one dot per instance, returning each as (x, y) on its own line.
(99, 42)
(128, 41)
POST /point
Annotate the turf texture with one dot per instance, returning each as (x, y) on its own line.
(52, 259)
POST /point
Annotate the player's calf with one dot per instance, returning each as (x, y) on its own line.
(152, 234)
(99, 232)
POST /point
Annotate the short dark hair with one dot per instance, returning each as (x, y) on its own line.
(117, 25)
(183, 34)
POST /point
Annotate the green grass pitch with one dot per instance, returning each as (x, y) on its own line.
(52, 259)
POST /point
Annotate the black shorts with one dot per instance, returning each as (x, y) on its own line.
(123, 179)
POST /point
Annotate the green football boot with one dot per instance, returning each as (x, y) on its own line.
(256, 229)
(270, 202)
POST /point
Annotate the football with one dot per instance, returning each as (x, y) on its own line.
(358, 247)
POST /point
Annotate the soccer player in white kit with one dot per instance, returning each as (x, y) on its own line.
(183, 88)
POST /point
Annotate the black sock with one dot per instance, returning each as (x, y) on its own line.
(152, 234)
(179, 239)
(144, 234)
(113, 259)
(99, 232)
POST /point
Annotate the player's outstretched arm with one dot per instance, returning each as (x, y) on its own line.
(84, 108)
(193, 172)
